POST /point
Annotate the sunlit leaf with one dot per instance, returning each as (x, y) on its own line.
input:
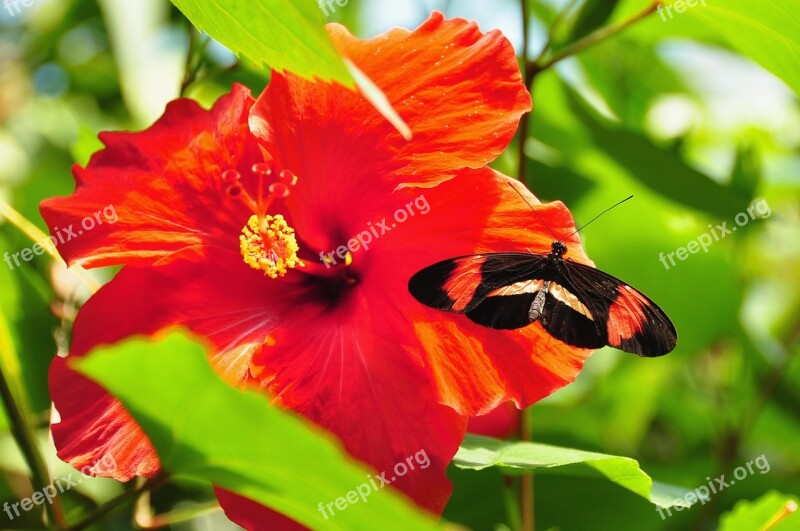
(592, 15)
(767, 31)
(477, 453)
(747, 172)
(27, 343)
(661, 169)
(284, 35)
(629, 76)
(773, 511)
(87, 144)
(205, 430)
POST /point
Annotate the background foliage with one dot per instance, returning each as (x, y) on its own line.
(696, 114)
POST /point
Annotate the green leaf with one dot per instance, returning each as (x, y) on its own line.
(477, 453)
(29, 326)
(758, 514)
(629, 76)
(767, 31)
(8, 363)
(592, 15)
(747, 173)
(565, 146)
(660, 169)
(556, 182)
(378, 99)
(207, 431)
(285, 35)
(482, 501)
(88, 144)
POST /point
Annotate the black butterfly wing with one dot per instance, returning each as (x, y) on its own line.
(461, 284)
(621, 316)
(582, 306)
(570, 318)
(506, 312)
(508, 307)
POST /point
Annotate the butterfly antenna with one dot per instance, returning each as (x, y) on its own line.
(534, 211)
(598, 215)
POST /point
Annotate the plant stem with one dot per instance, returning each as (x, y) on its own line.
(194, 60)
(123, 499)
(592, 39)
(26, 440)
(554, 27)
(178, 516)
(511, 499)
(522, 168)
(531, 69)
(733, 437)
(526, 481)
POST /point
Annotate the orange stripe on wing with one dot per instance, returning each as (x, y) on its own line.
(626, 316)
(464, 281)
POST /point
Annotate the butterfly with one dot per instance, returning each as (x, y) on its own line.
(575, 303)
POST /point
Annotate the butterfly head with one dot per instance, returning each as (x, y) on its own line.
(558, 249)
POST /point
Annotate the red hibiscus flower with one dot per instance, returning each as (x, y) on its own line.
(501, 423)
(236, 222)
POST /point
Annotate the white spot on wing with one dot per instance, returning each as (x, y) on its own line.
(562, 294)
(518, 288)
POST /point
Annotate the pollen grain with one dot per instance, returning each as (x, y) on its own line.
(269, 245)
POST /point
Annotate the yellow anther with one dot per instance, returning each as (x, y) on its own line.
(269, 245)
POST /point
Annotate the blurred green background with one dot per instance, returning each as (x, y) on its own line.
(675, 111)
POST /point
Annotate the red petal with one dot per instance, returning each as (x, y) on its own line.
(188, 288)
(458, 89)
(252, 515)
(151, 193)
(217, 297)
(359, 362)
(366, 388)
(475, 368)
(500, 423)
(95, 426)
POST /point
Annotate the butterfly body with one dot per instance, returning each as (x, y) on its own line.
(575, 303)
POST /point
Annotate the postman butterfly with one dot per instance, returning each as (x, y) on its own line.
(575, 303)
